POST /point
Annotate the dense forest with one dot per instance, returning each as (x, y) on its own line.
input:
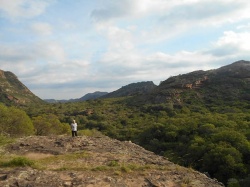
(214, 140)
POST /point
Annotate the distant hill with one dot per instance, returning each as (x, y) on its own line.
(13, 92)
(88, 96)
(140, 88)
(94, 95)
(227, 84)
(56, 101)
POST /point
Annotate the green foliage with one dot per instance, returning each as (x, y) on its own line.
(48, 124)
(5, 140)
(223, 161)
(17, 162)
(233, 183)
(15, 122)
(207, 137)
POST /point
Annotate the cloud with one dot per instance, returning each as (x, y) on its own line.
(41, 28)
(112, 10)
(23, 8)
(239, 40)
(32, 52)
(232, 45)
(202, 11)
(168, 19)
(115, 43)
(244, 26)
(42, 63)
(195, 15)
(118, 39)
(172, 11)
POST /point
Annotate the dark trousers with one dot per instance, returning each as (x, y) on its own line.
(74, 133)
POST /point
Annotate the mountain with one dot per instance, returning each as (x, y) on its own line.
(13, 92)
(94, 95)
(140, 88)
(91, 161)
(58, 101)
(133, 89)
(88, 96)
(226, 85)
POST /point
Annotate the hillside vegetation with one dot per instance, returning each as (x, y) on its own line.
(199, 120)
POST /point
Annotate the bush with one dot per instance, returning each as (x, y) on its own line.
(5, 140)
(15, 122)
(233, 183)
(17, 162)
(49, 124)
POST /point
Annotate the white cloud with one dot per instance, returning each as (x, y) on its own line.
(195, 15)
(123, 42)
(51, 50)
(168, 19)
(231, 45)
(42, 63)
(23, 8)
(244, 26)
(112, 10)
(238, 40)
(205, 11)
(41, 28)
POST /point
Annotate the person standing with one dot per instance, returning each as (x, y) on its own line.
(74, 128)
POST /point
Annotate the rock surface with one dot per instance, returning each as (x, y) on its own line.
(93, 161)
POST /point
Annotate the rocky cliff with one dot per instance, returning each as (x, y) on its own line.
(92, 161)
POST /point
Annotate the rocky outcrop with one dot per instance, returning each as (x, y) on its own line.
(196, 84)
(94, 161)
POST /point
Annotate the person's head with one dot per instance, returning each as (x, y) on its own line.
(74, 121)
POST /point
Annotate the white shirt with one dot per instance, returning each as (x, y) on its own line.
(74, 126)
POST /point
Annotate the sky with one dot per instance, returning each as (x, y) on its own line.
(64, 49)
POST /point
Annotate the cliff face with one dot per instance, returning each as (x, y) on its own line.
(93, 161)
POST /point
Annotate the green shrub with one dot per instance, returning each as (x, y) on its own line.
(15, 122)
(113, 163)
(5, 140)
(233, 183)
(17, 162)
